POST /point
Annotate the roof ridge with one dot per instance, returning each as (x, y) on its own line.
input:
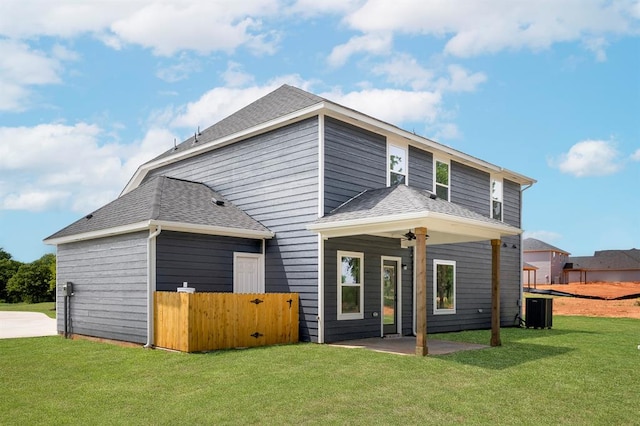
(157, 197)
(350, 200)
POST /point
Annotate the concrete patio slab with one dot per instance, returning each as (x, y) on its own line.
(26, 324)
(407, 345)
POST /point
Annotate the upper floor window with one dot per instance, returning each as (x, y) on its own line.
(397, 165)
(496, 198)
(441, 181)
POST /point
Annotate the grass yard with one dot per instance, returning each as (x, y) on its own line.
(47, 308)
(583, 371)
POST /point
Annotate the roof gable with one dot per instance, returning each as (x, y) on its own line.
(282, 101)
(288, 104)
(532, 244)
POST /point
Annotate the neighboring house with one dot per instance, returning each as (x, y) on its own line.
(551, 265)
(604, 266)
(549, 261)
(295, 193)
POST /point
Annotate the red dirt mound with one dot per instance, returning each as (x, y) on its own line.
(629, 308)
(604, 290)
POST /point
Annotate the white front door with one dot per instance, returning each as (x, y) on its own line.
(247, 273)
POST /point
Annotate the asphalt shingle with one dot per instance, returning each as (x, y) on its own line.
(399, 199)
(166, 199)
(282, 101)
(532, 244)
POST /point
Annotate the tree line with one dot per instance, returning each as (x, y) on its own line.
(33, 282)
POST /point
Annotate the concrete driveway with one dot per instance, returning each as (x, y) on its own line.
(26, 324)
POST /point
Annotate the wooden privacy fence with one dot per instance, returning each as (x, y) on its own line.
(195, 322)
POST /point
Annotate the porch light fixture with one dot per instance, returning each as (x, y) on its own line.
(504, 245)
(410, 236)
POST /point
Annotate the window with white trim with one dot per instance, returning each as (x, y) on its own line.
(441, 178)
(444, 286)
(350, 285)
(397, 171)
(496, 198)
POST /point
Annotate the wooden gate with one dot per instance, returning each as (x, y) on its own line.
(196, 322)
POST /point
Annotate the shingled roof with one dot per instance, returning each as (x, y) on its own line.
(397, 203)
(282, 101)
(607, 260)
(169, 201)
(532, 244)
(282, 106)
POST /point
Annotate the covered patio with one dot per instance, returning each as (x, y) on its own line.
(419, 218)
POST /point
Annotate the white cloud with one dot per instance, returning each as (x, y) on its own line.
(376, 43)
(403, 69)
(163, 27)
(446, 131)
(636, 155)
(589, 158)
(473, 28)
(460, 80)
(22, 67)
(393, 106)
(234, 76)
(546, 236)
(221, 25)
(34, 200)
(311, 8)
(597, 46)
(68, 166)
(181, 70)
(220, 102)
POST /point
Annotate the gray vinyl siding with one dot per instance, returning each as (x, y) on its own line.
(511, 203)
(373, 248)
(109, 277)
(470, 188)
(274, 178)
(354, 160)
(473, 287)
(420, 169)
(204, 261)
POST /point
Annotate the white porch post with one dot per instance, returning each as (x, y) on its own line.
(421, 291)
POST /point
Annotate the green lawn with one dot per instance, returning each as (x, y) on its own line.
(583, 371)
(47, 308)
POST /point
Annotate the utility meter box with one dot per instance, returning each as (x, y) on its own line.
(67, 289)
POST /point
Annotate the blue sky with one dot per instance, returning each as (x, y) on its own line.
(549, 89)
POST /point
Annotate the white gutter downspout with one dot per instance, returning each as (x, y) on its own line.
(151, 258)
(264, 264)
(522, 251)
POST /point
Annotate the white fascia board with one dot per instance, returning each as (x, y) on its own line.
(166, 226)
(443, 223)
(212, 230)
(459, 156)
(118, 230)
(299, 115)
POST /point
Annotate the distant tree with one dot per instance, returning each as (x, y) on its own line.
(8, 267)
(4, 254)
(31, 283)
